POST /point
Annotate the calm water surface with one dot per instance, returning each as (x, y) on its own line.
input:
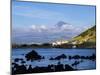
(54, 52)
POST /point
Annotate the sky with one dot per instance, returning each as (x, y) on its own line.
(34, 22)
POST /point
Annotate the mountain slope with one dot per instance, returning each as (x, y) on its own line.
(86, 39)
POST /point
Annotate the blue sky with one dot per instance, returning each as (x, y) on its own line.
(38, 22)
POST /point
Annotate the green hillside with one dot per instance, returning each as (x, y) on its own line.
(87, 39)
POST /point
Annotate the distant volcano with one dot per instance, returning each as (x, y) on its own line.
(61, 24)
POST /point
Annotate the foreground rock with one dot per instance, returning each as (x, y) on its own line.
(22, 69)
(33, 55)
(62, 56)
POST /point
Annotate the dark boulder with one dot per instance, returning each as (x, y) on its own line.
(68, 68)
(51, 58)
(33, 55)
(63, 56)
(76, 57)
(16, 60)
(23, 62)
(75, 63)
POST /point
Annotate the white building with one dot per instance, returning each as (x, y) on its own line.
(59, 43)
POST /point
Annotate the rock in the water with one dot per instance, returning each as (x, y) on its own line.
(63, 56)
(33, 55)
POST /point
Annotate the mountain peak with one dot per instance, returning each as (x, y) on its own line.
(61, 23)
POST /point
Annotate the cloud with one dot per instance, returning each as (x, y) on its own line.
(39, 28)
(47, 30)
(45, 33)
(54, 28)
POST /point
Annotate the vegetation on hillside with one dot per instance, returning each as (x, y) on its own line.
(87, 39)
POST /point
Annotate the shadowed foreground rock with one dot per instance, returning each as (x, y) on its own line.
(62, 56)
(21, 69)
(33, 55)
